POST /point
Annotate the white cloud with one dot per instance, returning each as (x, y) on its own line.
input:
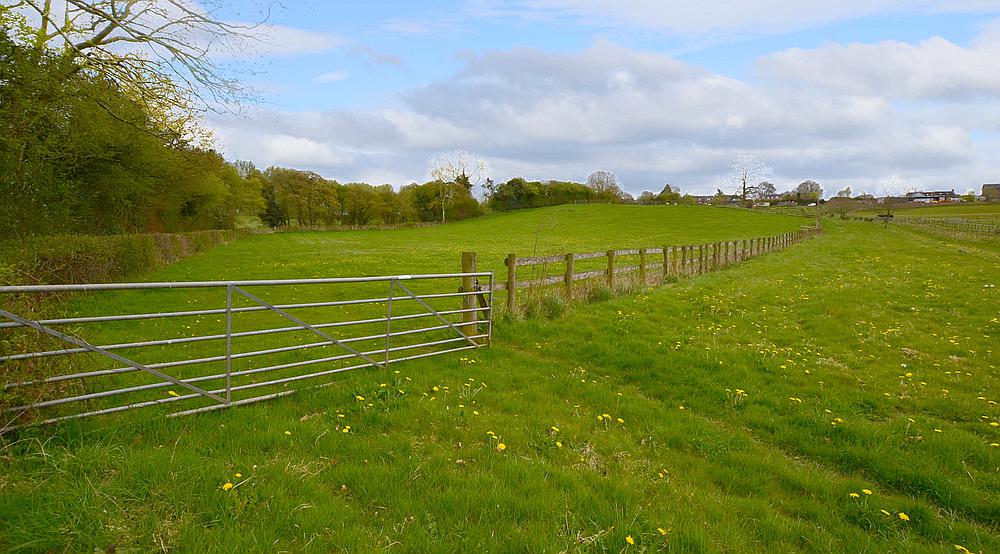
(332, 77)
(932, 69)
(647, 116)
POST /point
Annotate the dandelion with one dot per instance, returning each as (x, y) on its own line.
(962, 549)
(172, 393)
(866, 491)
(620, 420)
(558, 444)
(885, 512)
(554, 429)
(359, 398)
(501, 447)
(288, 432)
(854, 495)
(227, 486)
(347, 429)
(238, 475)
(663, 532)
(904, 517)
(629, 539)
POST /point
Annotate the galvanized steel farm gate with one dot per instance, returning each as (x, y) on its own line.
(72, 367)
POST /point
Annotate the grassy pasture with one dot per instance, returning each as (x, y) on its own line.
(748, 410)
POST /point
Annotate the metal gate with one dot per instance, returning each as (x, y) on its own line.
(226, 354)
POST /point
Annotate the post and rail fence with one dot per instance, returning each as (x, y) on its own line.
(670, 262)
(217, 357)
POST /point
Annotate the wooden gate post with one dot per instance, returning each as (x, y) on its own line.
(611, 270)
(511, 262)
(642, 267)
(568, 277)
(470, 326)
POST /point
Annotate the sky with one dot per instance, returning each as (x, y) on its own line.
(850, 93)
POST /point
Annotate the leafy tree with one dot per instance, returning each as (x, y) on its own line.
(605, 186)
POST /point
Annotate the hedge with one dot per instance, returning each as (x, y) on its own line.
(98, 258)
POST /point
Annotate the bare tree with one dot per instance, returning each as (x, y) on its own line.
(163, 53)
(460, 167)
(605, 185)
(456, 168)
(888, 186)
(747, 172)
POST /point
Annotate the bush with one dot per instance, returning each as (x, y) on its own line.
(96, 258)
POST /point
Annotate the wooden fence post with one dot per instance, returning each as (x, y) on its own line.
(701, 258)
(684, 255)
(611, 270)
(511, 262)
(717, 256)
(642, 267)
(667, 261)
(568, 277)
(470, 322)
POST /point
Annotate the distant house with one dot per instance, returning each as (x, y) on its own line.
(933, 196)
(991, 191)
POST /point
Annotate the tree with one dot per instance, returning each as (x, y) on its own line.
(809, 189)
(647, 198)
(844, 192)
(670, 195)
(160, 51)
(459, 167)
(747, 170)
(762, 190)
(605, 186)
(888, 186)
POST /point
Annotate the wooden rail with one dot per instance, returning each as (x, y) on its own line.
(665, 262)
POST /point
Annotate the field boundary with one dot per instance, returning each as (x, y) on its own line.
(34, 388)
(677, 261)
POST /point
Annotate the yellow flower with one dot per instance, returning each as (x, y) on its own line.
(629, 539)
(904, 517)
(661, 530)
(288, 432)
(620, 420)
(558, 444)
(359, 397)
(227, 486)
(172, 393)
(501, 447)
(866, 491)
(885, 512)
(238, 475)
(554, 429)
(854, 495)
(435, 388)
(962, 549)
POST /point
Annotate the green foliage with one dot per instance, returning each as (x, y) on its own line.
(80, 155)
(98, 259)
(518, 193)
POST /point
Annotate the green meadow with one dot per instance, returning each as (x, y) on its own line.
(837, 396)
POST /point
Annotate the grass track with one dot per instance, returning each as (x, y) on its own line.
(817, 337)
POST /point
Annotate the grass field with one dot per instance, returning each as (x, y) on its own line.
(837, 396)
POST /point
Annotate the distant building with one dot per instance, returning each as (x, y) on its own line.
(991, 191)
(932, 196)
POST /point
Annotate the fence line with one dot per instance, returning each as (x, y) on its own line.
(965, 228)
(670, 261)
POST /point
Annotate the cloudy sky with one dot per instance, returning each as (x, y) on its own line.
(658, 91)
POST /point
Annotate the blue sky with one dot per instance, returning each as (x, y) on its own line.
(857, 94)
